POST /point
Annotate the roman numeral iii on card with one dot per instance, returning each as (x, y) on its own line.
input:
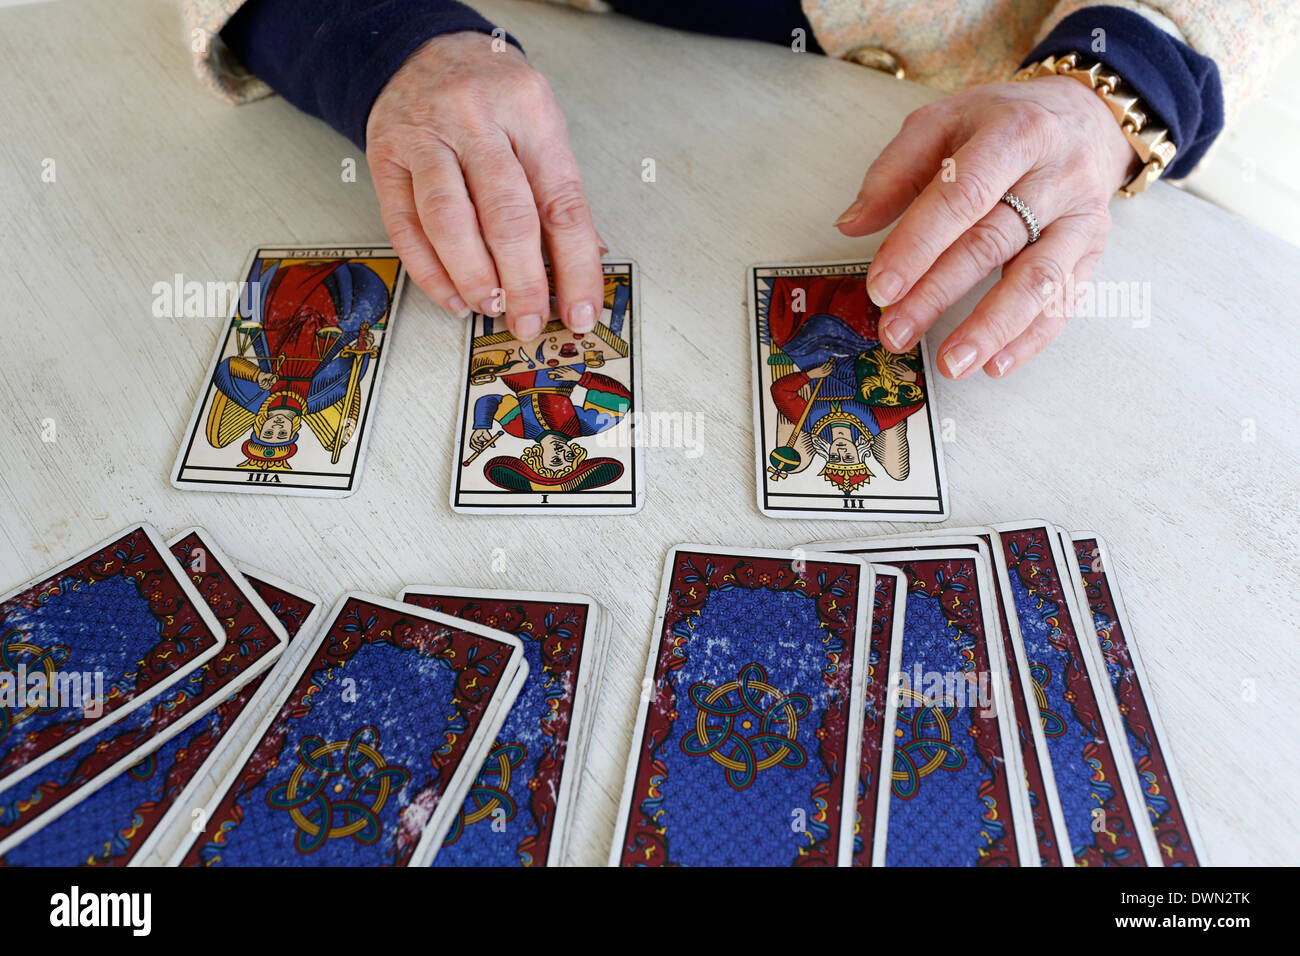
(286, 404)
(843, 427)
(549, 426)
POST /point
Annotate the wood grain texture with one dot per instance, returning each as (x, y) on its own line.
(1136, 433)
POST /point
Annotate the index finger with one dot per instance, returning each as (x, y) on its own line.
(981, 172)
(566, 223)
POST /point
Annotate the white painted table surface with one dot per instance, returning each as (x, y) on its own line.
(1134, 433)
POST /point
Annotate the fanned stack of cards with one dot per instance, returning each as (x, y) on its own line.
(141, 720)
(984, 682)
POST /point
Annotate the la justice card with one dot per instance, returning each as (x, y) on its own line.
(844, 428)
(287, 400)
(547, 426)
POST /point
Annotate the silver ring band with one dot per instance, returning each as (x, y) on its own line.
(1025, 213)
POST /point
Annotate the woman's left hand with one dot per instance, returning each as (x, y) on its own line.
(1052, 142)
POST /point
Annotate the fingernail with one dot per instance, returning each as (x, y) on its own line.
(1002, 363)
(582, 317)
(883, 288)
(459, 306)
(958, 359)
(528, 327)
(898, 333)
(489, 307)
(854, 210)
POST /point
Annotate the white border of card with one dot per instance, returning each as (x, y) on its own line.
(897, 500)
(198, 790)
(345, 477)
(621, 440)
(440, 820)
(1135, 657)
(191, 593)
(898, 614)
(858, 679)
(590, 668)
(258, 667)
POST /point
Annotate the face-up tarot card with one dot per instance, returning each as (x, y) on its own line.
(843, 427)
(748, 739)
(378, 734)
(84, 645)
(887, 616)
(1175, 830)
(549, 426)
(518, 809)
(286, 404)
(1094, 777)
(99, 805)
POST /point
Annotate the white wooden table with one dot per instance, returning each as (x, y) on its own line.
(1177, 442)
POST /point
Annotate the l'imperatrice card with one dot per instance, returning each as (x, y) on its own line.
(843, 427)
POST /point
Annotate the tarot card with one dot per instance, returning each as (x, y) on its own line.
(286, 404)
(887, 615)
(549, 426)
(112, 630)
(957, 796)
(1044, 805)
(1094, 777)
(517, 812)
(70, 802)
(1170, 816)
(169, 785)
(379, 729)
(843, 427)
(749, 734)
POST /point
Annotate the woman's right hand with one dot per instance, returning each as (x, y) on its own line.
(470, 156)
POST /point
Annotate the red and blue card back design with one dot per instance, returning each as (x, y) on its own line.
(87, 794)
(520, 795)
(748, 741)
(953, 801)
(887, 616)
(1165, 810)
(370, 736)
(122, 619)
(1099, 814)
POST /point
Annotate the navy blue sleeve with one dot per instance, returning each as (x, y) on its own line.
(1179, 85)
(330, 58)
(772, 21)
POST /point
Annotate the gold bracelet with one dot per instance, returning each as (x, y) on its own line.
(1149, 139)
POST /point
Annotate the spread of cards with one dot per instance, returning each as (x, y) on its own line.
(952, 697)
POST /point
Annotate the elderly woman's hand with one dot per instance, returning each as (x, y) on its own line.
(1050, 141)
(471, 161)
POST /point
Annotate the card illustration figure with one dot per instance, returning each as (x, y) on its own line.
(517, 811)
(843, 427)
(1173, 826)
(287, 400)
(878, 723)
(375, 726)
(748, 740)
(114, 823)
(84, 645)
(549, 426)
(1098, 793)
